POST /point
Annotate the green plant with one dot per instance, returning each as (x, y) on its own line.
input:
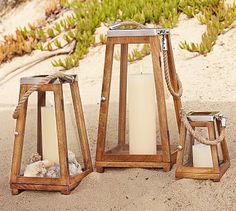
(217, 18)
(136, 53)
(102, 39)
(79, 27)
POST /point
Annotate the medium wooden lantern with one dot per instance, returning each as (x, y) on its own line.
(120, 156)
(209, 159)
(42, 84)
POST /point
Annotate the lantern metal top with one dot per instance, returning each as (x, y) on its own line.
(38, 78)
(206, 117)
(115, 31)
(136, 32)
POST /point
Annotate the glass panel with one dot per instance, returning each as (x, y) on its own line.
(113, 110)
(30, 138)
(75, 156)
(37, 163)
(201, 153)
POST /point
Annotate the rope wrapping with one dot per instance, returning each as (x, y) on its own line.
(167, 78)
(35, 87)
(197, 136)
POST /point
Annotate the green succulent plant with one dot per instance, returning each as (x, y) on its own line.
(87, 15)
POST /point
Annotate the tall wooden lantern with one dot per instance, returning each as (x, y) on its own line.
(64, 181)
(141, 150)
(208, 159)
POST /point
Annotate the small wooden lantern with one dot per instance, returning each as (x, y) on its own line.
(119, 156)
(192, 157)
(42, 84)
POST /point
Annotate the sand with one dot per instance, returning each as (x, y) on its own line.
(209, 84)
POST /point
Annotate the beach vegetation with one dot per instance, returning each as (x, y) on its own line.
(79, 27)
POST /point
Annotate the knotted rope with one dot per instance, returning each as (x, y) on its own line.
(167, 78)
(35, 87)
(197, 136)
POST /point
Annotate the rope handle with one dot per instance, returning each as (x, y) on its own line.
(197, 136)
(127, 24)
(167, 78)
(35, 87)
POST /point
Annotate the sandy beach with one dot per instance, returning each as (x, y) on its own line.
(209, 84)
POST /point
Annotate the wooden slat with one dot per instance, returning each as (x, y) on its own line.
(174, 156)
(128, 40)
(39, 180)
(77, 178)
(124, 149)
(195, 170)
(41, 103)
(173, 79)
(131, 164)
(19, 139)
(214, 151)
(134, 158)
(160, 95)
(39, 187)
(123, 94)
(224, 167)
(61, 134)
(79, 116)
(223, 144)
(182, 141)
(102, 127)
(190, 175)
(43, 88)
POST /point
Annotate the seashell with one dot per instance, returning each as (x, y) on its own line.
(37, 169)
(74, 169)
(46, 168)
(35, 157)
(71, 157)
(74, 166)
(53, 171)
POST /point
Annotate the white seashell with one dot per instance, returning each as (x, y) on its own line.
(35, 157)
(46, 168)
(71, 157)
(53, 171)
(74, 169)
(37, 169)
(74, 166)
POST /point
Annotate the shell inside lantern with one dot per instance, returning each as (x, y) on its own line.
(46, 168)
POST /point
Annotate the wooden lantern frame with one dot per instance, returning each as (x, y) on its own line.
(219, 168)
(65, 183)
(119, 156)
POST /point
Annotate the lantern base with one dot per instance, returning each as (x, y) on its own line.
(202, 173)
(47, 184)
(119, 156)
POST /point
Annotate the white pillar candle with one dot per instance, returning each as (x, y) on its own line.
(49, 134)
(142, 114)
(202, 156)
